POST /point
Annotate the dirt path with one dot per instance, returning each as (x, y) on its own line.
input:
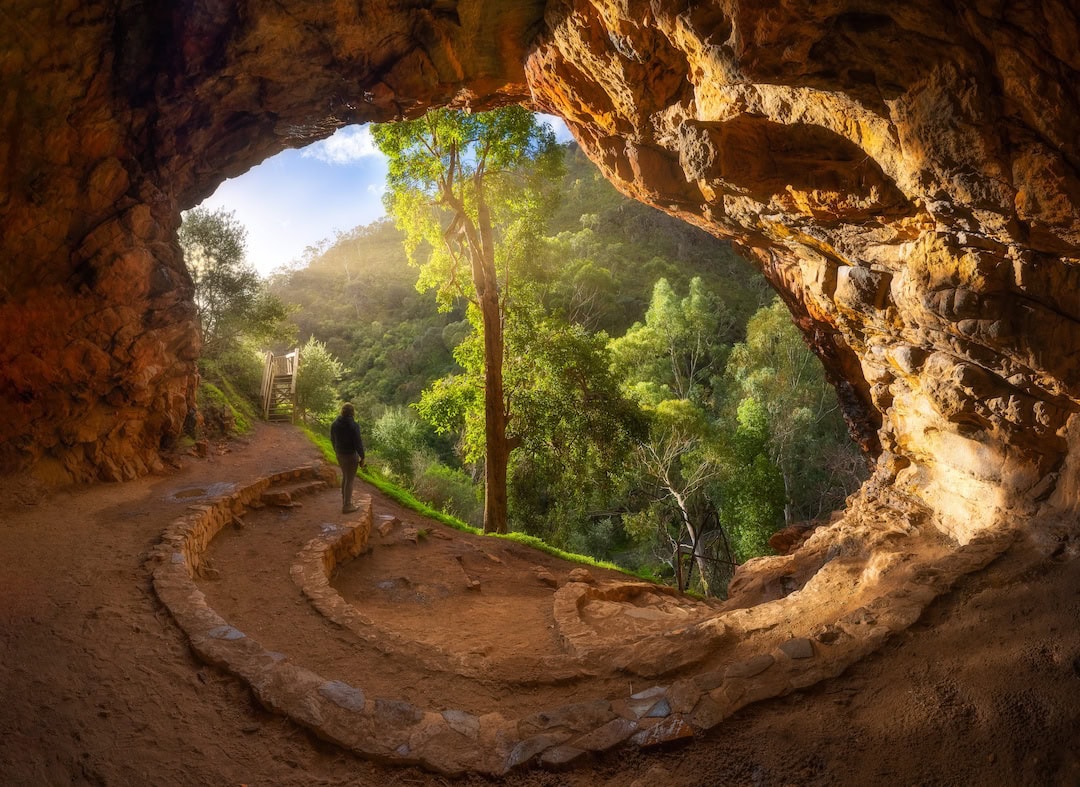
(450, 600)
(98, 685)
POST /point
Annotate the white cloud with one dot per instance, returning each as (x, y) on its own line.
(378, 189)
(562, 133)
(346, 146)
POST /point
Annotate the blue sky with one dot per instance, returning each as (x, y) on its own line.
(298, 197)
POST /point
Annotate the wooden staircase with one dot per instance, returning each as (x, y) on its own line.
(279, 386)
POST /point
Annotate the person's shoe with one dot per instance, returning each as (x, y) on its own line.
(349, 509)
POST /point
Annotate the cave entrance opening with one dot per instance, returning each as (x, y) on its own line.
(752, 379)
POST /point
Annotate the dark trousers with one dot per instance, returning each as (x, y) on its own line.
(348, 464)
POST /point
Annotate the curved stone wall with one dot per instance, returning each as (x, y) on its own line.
(703, 668)
(905, 175)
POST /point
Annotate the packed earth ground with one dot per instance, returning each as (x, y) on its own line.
(99, 685)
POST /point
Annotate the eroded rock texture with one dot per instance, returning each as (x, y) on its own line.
(117, 115)
(905, 174)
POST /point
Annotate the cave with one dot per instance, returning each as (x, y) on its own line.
(906, 178)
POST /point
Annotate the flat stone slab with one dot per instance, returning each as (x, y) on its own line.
(397, 713)
(643, 702)
(278, 497)
(531, 747)
(226, 633)
(463, 723)
(707, 713)
(751, 667)
(562, 756)
(660, 710)
(386, 524)
(343, 695)
(579, 717)
(607, 736)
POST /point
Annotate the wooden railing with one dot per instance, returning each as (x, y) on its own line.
(279, 385)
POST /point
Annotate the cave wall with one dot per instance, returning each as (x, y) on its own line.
(117, 116)
(906, 175)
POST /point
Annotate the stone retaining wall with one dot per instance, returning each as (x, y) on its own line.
(766, 651)
(336, 545)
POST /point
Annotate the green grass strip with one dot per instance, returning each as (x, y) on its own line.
(226, 397)
(243, 410)
(406, 498)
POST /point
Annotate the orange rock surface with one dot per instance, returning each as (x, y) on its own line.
(905, 175)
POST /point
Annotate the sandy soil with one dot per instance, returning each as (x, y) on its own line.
(98, 685)
(417, 588)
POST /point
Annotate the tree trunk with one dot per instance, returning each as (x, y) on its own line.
(497, 453)
(497, 450)
(695, 541)
(789, 509)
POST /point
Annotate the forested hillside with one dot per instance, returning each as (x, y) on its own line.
(356, 294)
(661, 397)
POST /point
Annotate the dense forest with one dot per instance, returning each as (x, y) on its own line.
(663, 411)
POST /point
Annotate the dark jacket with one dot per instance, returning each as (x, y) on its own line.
(345, 436)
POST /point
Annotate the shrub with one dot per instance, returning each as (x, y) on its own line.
(241, 366)
(397, 436)
(223, 412)
(449, 490)
(599, 538)
(316, 393)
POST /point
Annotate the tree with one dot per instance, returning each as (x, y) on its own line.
(399, 436)
(808, 439)
(753, 500)
(570, 426)
(681, 454)
(668, 363)
(316, 392)
(230, 298)
(472, 188)
(711, 475)
(681, 344)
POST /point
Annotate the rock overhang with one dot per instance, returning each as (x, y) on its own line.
(905, 177)
(877, 162)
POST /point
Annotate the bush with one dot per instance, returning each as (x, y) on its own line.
(599, 538)
(316, 393)
(241, 366)
(449, 490)
(397, 436)
(753, 509)
(223, 412)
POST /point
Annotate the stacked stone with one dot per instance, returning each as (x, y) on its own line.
(767, 650)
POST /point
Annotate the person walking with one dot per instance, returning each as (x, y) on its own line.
(345, 437)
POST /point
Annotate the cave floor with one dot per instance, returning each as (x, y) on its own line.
(454, 620)
(99, 684)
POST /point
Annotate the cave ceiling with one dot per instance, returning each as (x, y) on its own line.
(905, 175)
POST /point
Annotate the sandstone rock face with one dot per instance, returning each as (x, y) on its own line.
(906, 175)
(116, 116)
